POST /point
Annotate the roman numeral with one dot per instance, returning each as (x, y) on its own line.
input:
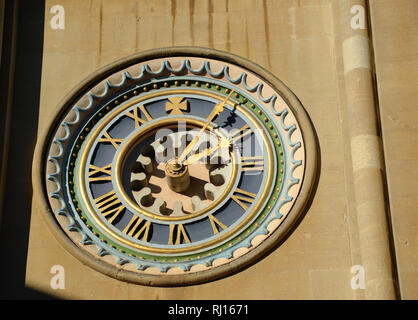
(107, 170)
(138, 120)
(241, 133)
(215, 223)
(109, 204)
(237, 196)
(131, 228)
(252, 163)
(108, 138)
(177, 231)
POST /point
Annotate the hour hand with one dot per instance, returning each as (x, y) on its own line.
(219, 107)
(223, 144)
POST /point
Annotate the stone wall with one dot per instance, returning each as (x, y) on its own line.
(364, 210)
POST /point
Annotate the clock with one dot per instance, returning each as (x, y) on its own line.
(176, 166)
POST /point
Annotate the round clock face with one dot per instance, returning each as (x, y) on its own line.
(176, 166)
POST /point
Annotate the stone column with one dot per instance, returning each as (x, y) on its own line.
(366, 151)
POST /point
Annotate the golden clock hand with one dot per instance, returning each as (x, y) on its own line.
(198, 156)
(224, 143)
(216, 110)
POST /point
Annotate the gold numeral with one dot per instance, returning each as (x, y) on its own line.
(180, 233)
(241, 133)
(108, 138)
(252, 163)
(109, 204)
(237, 196)
(107, 170)
(215, 224)
(176, 106)
(138, 120)
(133, 225)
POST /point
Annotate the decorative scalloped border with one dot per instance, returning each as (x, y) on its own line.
(262, 230)
(126, 94)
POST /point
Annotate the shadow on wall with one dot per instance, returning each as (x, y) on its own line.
(23, 127)
(16, 208)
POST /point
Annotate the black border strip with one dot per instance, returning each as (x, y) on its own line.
(22, 114)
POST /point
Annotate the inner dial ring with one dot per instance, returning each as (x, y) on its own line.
(139, 180)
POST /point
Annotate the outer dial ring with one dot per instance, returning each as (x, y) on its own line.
(281, 98)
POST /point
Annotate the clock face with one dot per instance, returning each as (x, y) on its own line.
(176, 166)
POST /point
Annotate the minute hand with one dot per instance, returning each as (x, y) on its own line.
(216, 110)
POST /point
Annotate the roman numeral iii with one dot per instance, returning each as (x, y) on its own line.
(255, 163)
